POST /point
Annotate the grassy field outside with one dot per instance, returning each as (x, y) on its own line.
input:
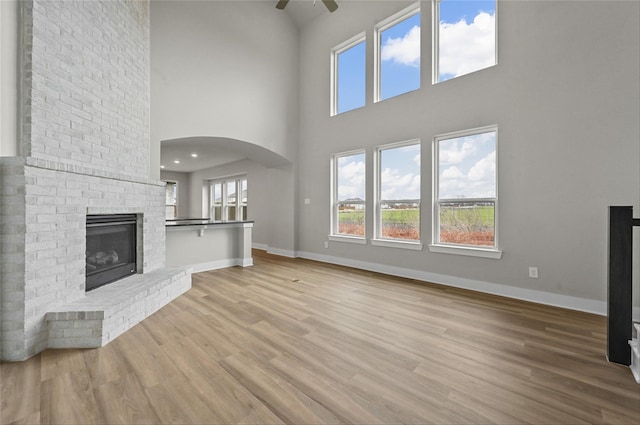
(460, 225)
(473, 225)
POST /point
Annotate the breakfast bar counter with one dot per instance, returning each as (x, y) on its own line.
(205, 244)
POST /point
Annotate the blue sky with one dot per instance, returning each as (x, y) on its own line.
(466, 37)
(400, 65)
(351, 78)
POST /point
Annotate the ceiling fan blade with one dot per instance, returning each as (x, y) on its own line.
(281, 4)
(331, 5)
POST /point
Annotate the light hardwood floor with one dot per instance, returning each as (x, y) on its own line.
(300, 342)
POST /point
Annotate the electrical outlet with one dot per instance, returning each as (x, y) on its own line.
(533, 272)
(307, 201)
(326, 244)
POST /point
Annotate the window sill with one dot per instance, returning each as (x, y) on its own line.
(466, 250)
(416, 246)
(348, 239)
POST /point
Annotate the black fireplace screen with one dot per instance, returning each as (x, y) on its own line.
(111, 248)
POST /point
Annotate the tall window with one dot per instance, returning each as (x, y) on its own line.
(398, 192)
(464, 38)
(171, 199)
(228, 199)
(348, 75)
(397, 68)
(348, 189)
(216, 200)
(466, 194)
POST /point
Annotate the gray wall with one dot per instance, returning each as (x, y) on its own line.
(270, 198)
(564, 94)
(230, 69)
(566, 99)
(224, 69)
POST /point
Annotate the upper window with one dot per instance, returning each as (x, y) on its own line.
(348, 75)
(228, 199)
(464, 38)
(465, 189)
(348, 189)
(397, 68)
(398, 192)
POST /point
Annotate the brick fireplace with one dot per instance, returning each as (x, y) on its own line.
(84, 151)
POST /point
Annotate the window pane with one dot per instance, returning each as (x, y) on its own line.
(467, 189)
(350, 195)
(400, 193)
(400, 58)
(231, 200)
(243, 205)
(467, 37)
(217, 201)
(171, 200)
(351, 76)
(467, 223)
(351, 219)
(467, 167)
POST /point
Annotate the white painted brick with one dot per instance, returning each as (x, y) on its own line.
(74, 134)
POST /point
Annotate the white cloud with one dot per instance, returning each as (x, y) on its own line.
(351, 178)
(405, 50)
(477, 182)
(452, 172)
(417, 159)
(399, 186)
(484, 169)
(467, 47)
(455, 151)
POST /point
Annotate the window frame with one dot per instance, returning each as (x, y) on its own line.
(241, 206)
(335, 203)
(378, 239)
(462, 249)
(435, 43)
(378, 29)
(335, 52)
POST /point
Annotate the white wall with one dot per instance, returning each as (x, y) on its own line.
(8, 78)
(224, 69)
(566, 99)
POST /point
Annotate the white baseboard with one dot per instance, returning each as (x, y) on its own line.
(260, 246)
(540, 297)
(281, 252)
(274, 251)
(221, 264)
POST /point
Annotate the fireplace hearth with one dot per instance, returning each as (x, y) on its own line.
(110, 249)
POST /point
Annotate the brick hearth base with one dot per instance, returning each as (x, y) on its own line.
(108, 311)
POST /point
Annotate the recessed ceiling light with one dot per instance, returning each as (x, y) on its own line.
(176, 162)
(194, 155)
(162, 166)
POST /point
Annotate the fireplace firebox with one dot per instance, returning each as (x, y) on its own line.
(110, 249)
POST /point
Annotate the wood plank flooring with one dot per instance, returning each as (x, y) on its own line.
(301, 342)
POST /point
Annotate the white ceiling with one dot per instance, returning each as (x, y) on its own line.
(212, 152)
